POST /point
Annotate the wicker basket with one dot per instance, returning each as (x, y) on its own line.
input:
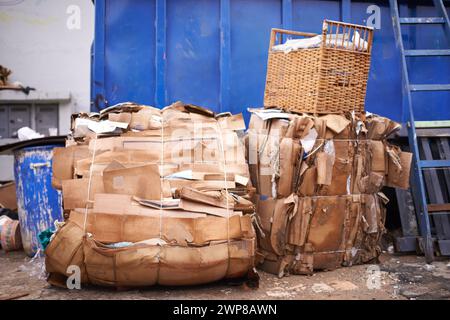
(329, 79)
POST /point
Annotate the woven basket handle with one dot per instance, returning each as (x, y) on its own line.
(275, 31)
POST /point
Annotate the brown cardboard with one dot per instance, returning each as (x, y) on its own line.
(210, 185)
(120, 117)
(274, 216)
(335, 122)
(326, 231)
(342, 170)
(213, 198)
(146, 264)
(66, 249)
(289, 158)
(378, 156)
(309, 182)
(323, 233)
(299, 127)
(399, 166)
(173, 183)
(192, 206)
(333, 216)
(63, 163)
(234, 122)
(141, 120)
(174, 228)
(371, 183)
(299, 226)
(75, 192)
(8, 197)
(143, 181)
(324, 162)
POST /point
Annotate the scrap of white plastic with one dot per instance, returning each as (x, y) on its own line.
(152, 242)
(329, 148)
(309, 140)
(185, 174)
(266, 114)
(359, 126)
(359, 42)
(26, 133)
(106, 126)
(296, 44)
(100, 126)
(349, 181)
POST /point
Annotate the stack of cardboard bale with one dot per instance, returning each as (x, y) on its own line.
(153, 197)
(318, 180)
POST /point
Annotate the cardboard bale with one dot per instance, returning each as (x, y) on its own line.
(318, 201)
(326, 156)
(180, 228)
(324, 233)
(146, 264)
(155, 197)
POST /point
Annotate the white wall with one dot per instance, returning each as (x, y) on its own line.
(38, 46)
(43, 44)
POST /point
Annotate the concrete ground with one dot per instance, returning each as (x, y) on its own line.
(396, 277)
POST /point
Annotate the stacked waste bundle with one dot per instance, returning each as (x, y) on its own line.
(153, 197)
(318, 181)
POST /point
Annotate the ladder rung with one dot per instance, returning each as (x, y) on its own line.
(431, 124)
(421, 20)
(438, 207)
(434, 164)
(424, 53)
(429, 87)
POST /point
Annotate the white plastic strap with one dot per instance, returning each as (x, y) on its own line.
(222, 152)
(89, 184)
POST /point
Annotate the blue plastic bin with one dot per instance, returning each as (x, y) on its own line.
(39, 204)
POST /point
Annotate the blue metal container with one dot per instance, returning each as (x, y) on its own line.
(39, 204)
(214, 52)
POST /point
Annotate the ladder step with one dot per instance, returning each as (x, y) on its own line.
(425, 53)
(421, 20)
(429, 87)
(431, 124)
(434, 164)
(438, 207)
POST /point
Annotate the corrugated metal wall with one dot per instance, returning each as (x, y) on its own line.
(214, 52)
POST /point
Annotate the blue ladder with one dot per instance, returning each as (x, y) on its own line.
(423, 210)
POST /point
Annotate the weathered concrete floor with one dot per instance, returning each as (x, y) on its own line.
(400, 277)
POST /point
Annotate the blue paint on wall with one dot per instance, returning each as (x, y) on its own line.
(215, 52)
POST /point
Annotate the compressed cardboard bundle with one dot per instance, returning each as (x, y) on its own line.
(153, 197)
(318, 182)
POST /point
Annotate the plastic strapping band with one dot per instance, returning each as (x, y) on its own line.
(222, 151)
(161, 196)
(89, 183)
